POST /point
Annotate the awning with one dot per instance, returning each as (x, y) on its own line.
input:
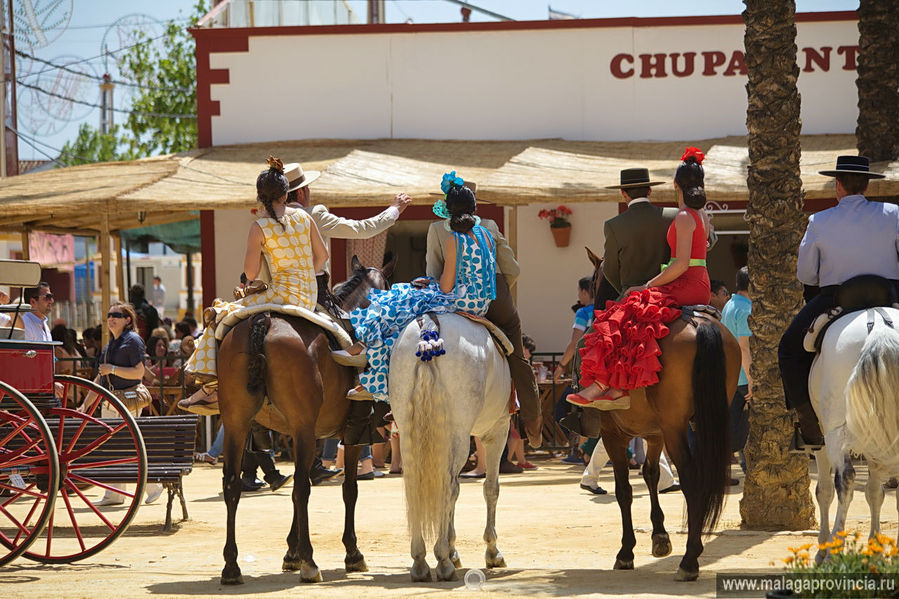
(183, 237)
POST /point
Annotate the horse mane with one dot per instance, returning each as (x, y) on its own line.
(344, 291)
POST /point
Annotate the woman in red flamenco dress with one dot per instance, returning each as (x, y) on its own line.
(623, 351)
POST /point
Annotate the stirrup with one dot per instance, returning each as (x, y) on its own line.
(344, 358)
(798, 446)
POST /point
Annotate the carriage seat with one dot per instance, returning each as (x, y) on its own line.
(17, 334)
(858, 293)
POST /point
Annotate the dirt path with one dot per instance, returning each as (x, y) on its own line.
(557, 540)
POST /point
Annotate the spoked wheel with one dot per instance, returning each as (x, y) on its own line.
(29, 473)
(101, 456)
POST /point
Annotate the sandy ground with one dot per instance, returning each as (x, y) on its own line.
(557, 540)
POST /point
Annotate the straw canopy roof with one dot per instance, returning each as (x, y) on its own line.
(370, 172)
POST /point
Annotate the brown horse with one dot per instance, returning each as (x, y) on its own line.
(288, 360)
(700, 367)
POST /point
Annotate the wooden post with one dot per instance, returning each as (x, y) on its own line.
(119, 267)
(104, 272)
(26, 251)
(512, 237)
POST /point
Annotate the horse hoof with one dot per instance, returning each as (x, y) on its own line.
(291, 565)
(310, 574)
(661, 545)
(446, 571)
(357, 566)
(684, 576)
(420, 574)
(623, 564)
(496, 560)
(231, 576)
(457, 561)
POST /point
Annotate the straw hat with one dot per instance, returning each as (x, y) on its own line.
(296, 178)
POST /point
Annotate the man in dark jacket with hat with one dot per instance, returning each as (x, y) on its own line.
(855, 237)
(636, 245)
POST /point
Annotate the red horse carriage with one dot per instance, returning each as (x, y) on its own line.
(57, 454)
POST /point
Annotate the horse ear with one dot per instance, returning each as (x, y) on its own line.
(596, 260)
(387, 269)
(355, 264)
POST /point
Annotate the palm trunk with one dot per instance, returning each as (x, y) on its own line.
(877, 133)
(776, 493)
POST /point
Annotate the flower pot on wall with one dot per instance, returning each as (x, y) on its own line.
(561, 235)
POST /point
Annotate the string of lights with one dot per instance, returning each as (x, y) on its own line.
(91, 104)
(67, 69)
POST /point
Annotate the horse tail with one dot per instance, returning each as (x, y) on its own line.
(872, 413)
(710, 460)
(427, 470)
(257, 365)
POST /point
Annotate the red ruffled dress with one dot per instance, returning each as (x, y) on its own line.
(623, 351)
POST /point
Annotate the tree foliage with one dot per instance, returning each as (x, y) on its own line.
(165, 71)
(93, 146)
(167, 75)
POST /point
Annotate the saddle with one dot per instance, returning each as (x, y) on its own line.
(690, 313)
(858, 293)
(502, 342)
(322, 319)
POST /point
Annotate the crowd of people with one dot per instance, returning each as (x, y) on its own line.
(620, 316)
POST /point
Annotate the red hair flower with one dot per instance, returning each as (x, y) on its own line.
(694, 153)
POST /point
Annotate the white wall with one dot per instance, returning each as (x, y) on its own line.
(519, 84)
(231, 230)
(549, 274)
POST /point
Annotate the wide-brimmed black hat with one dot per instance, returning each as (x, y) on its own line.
(852, 165)
(634, 177)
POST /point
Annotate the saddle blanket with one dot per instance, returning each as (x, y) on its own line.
(502, 342)
(322, 319)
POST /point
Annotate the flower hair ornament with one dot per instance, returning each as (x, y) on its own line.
(275, 163)
(449, 181)
(694, 153)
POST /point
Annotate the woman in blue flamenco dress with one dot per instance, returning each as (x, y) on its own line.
(467, 284)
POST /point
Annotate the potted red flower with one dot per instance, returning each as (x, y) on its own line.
(558, 224)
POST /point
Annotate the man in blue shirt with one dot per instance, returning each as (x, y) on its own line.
(735, 316)
(855, 237)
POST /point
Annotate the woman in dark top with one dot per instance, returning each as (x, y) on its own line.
(122, 366)
(122, 360)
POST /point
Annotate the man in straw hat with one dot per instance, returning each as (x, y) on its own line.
(855, 237)
(502, 312)
(329, 225)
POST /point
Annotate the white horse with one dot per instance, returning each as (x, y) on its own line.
(854, 387)
(437, 405)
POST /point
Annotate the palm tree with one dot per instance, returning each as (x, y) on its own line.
(878, 79)
(776, 493)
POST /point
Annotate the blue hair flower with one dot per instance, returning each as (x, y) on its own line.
(440, 209)
(450, 180)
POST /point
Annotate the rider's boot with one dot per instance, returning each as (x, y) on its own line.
(360, 428)
(807, 435)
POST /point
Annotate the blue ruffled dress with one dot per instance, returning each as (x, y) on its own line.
(379, 325)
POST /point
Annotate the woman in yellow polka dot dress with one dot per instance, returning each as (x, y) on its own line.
(293, 249)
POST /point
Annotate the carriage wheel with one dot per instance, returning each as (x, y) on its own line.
(29, 473)
(99, 444)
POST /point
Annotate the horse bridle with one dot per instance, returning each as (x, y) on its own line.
(886, 319)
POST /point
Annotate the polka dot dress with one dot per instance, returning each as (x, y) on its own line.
(380, 324)
(288, 251)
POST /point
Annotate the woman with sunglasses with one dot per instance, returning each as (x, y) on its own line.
(121, 367)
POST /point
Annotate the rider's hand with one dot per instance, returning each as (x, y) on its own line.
(105, 369)
(558, 373)
(401, 201)
(749, 392)
(420, 282)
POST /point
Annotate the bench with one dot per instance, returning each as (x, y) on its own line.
(170, 442)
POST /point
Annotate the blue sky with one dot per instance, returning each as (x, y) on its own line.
(48, 125)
